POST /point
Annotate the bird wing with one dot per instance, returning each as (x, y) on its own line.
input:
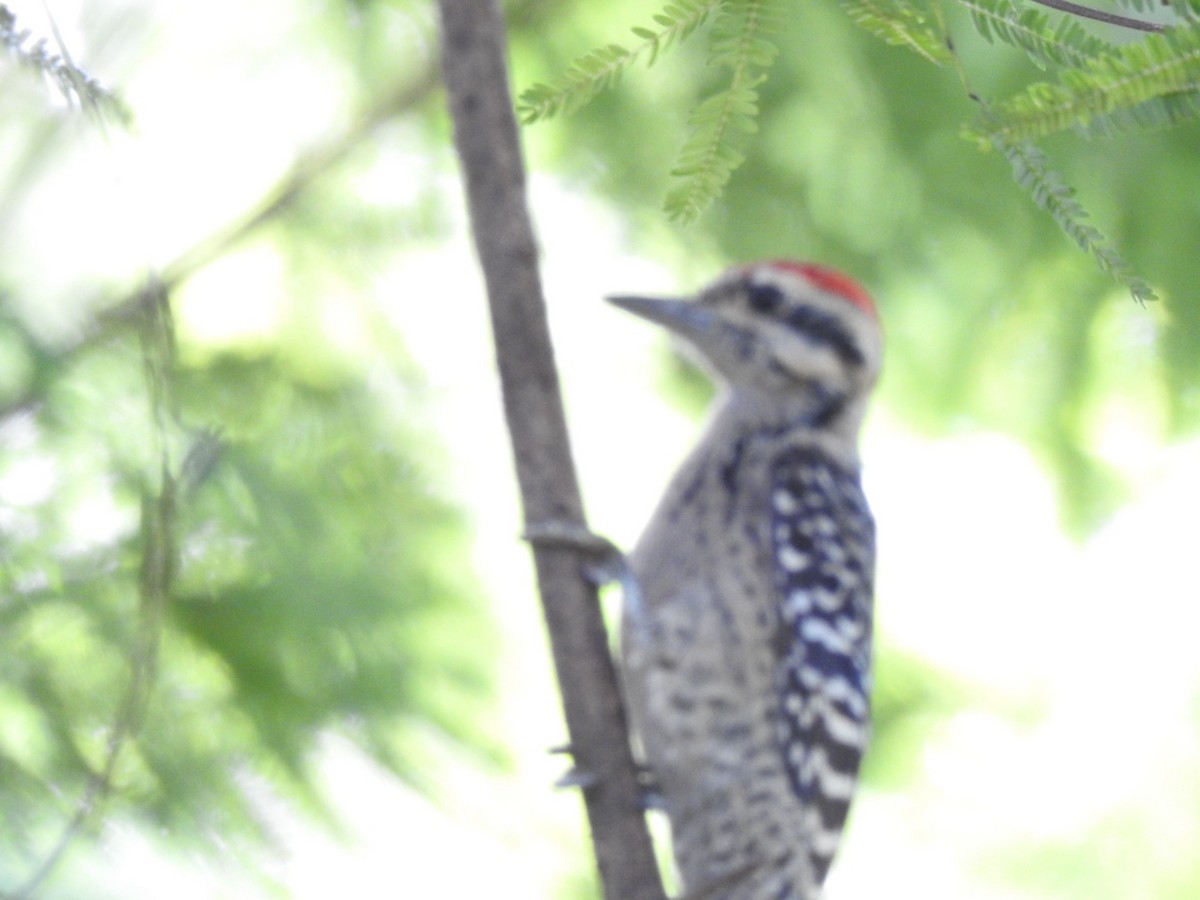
(823, 540)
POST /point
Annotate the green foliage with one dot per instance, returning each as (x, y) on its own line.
(718, 124)
(602, 68)
(857, 162)
(1150, 83)
(308, 594)
(711, 154)
(1185, 9)
(335, 548)
(211, 559)
(1104, 88)
(1032, 172)
(901, 25)
(1047, 44)
(911, 696)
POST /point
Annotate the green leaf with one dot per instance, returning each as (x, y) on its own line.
(1188, 10)
(901, 25)
(1151, 82)
(1063, 44)
(601, 69)
(1032, 172)
(709, 156)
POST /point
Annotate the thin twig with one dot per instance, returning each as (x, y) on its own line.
(1086, 12)
(155, 581)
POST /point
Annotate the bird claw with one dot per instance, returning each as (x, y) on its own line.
(607, 565)
(651, 794)
(576, 777)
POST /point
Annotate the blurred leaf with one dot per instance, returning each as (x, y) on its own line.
(865, 171)
(317, 590)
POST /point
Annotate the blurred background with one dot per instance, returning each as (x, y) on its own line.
(341, 683)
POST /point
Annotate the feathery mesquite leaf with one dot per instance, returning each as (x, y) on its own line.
(594, 72)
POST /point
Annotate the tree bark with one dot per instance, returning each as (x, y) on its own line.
(485, 131)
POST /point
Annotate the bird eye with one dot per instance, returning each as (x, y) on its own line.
(764, 297)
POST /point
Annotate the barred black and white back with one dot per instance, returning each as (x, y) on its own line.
(823, 536)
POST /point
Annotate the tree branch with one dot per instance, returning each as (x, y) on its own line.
(1098, 15)
(485, 132)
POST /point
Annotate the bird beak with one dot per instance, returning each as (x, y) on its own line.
(684, 317)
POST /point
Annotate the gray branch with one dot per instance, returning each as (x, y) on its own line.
(485, 132)
(1099, 15)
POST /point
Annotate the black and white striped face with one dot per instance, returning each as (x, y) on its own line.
(779, 328)
(794, 322)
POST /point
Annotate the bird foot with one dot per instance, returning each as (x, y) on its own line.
(606, 565)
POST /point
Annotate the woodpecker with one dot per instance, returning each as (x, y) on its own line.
(747, 660)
